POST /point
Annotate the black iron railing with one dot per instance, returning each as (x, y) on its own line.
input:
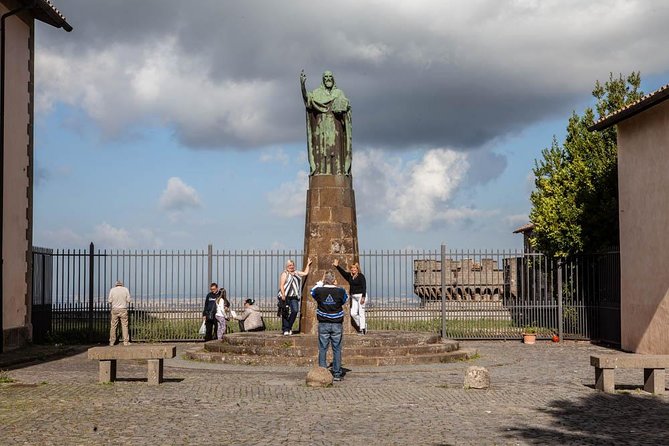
(464, 294)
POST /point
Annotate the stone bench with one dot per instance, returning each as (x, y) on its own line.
(653, 370)
(154, 354)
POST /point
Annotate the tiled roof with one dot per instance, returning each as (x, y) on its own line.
(525, 228)
(54, 9)
(632, 109)
(46, 11)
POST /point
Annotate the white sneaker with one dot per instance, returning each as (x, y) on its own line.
(290, 332)
(286, 333)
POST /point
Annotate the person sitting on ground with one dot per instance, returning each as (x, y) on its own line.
(251, 318)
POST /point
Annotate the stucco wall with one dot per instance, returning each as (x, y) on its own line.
(17, 178)
(643, 173)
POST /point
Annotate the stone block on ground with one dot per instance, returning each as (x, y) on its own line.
(477, 378)
(319, 377)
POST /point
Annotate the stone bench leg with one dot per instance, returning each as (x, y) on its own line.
(155, 373)
(604, 380)
(653, 381)
(107, 371)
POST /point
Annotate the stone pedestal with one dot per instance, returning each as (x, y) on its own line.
(330, 232)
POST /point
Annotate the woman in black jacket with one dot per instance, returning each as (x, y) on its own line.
(358, 291)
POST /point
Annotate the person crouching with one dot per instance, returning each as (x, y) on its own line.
(251, 318)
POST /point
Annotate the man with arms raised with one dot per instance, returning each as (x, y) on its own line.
(330, 314)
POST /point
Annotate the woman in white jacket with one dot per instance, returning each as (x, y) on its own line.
(251, 318)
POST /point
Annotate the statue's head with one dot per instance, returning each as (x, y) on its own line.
(328, 79)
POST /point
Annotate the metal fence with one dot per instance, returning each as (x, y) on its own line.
(486, 294)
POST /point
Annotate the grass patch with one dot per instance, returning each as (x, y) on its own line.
(178, 326)
(457, 328)
(5, 378)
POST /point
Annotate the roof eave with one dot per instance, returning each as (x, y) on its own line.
(627, 113)
(51, 16)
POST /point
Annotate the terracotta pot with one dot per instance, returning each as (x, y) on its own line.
(529, 338)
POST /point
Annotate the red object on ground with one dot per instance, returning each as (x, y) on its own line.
(555, 338)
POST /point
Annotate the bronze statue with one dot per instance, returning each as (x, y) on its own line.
(328, 127)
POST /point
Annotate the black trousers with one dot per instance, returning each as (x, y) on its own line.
(241, 327)
(210, 328)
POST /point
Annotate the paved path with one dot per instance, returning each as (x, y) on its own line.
(540, 394)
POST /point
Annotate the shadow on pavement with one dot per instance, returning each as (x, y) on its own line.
(600, 419)
(37, 354)
(165, 380)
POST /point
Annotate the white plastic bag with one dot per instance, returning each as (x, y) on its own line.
(203, 329)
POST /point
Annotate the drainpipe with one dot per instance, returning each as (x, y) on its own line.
(3, 22)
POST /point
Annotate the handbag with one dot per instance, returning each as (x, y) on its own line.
(282, 308)
(203, 329)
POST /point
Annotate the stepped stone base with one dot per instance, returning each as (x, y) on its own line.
(374, 349)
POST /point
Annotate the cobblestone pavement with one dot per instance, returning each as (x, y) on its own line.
(540, 394)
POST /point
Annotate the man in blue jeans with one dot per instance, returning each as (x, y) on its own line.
(330, 314)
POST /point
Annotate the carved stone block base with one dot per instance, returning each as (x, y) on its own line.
(330, 232)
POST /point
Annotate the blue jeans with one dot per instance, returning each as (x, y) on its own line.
(294, 304)
(330, 332)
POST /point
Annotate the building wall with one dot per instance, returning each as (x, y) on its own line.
(643, 173)
(17, 197)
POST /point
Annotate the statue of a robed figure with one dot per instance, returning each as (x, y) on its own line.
(330, 231)
(328, 127)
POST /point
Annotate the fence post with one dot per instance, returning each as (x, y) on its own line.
(443, 291)
(559, 298)
(210, 264)
(91, 275)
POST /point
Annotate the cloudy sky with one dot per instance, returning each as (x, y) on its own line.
(170, 124)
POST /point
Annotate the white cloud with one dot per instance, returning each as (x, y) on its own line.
(413, 195)
(61, 238)
(103, 236)
(289, 199)
(516, 220)
(135, 83)
(179, 196)
(275, 155)
(106, 235)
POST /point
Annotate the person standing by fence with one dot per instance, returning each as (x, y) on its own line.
(222, 312)
(358, 290)
(290, 288)
(119, 298)
(210, 310)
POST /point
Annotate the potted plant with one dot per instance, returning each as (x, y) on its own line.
(529, 334)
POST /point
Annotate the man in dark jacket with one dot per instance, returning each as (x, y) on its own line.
(330, 314)
(210, 309)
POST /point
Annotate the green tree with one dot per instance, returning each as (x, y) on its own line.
(575, 201)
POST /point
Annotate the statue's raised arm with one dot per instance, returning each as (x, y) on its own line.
(303, 81)
(328, 127)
